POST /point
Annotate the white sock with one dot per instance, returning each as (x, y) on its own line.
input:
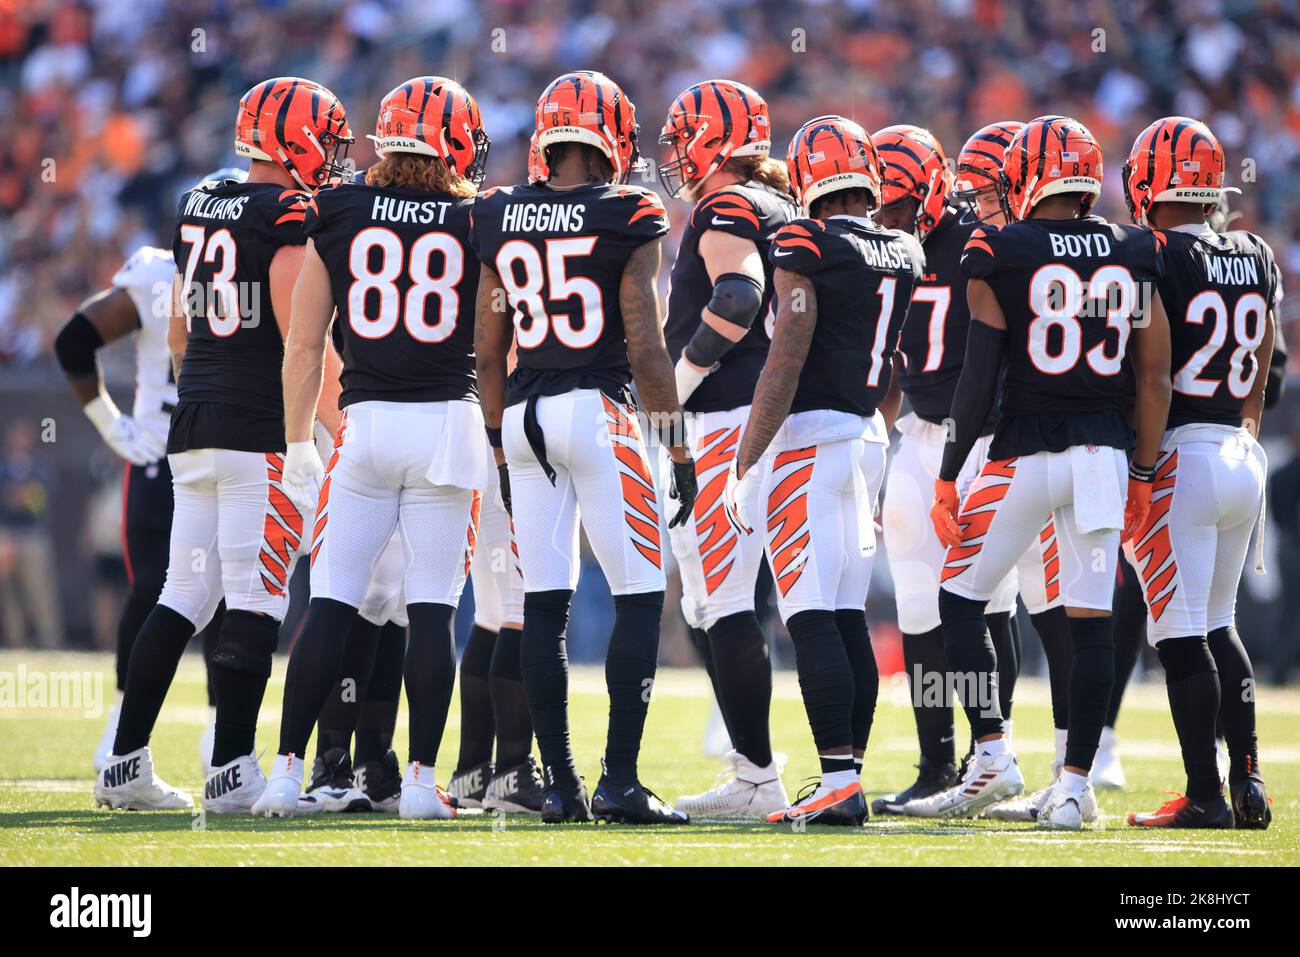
(1073, 782)
(1061, 735)
(1107, 738)
(839, 779)
(1006, 731)
(288, 766)
(995, 746)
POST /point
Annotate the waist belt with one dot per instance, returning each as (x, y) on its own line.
(536, 439)
(168, 408)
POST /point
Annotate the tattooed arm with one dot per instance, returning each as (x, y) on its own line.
(646, 352)
(785, 359)
(493, 333)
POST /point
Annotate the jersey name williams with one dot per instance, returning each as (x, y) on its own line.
(394, 210)
(542, 217)
(206, 206)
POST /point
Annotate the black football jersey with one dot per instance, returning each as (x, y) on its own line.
(404, 277)
(863, 276)
(752, 211)
(1069, 290)
(560, 255)
(933, 340)
(229, 395)
(1217, 291)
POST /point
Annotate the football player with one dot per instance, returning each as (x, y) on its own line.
(574, 256)
(1222, 292)
(1059, 295)
(719, 137)
(235, 532)
(843, 288)
(392, 256)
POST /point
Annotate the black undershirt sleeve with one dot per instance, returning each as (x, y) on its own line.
(974, 396)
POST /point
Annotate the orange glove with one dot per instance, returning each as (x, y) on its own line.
(1138, 505)
(943, 513)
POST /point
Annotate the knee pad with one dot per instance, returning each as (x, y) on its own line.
(1092, 634)
(643, 603)
(548, 610)
(476, 659)
(505, 656)
(817, 642)
(1184, 658)
(247, 643)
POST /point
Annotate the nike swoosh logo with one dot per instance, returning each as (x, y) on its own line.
(781, 252)
(719, 221)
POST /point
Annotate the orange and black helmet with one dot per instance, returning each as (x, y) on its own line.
(1174, 160)
(832, 153)
(434, 116)
(979, 165)
(588, 107)
(707, 125)
(1051, 155)
(296, 124)
(915, 167)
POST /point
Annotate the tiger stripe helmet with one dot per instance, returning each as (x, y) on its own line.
(707, 125)
(1051, 155)
(434, 116)
(979, 165)
(589, 107)
(915, 167)
(832, 153)
(537, 169)
(296, 124)
(1174, 160)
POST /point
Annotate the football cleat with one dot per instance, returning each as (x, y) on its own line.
(989, 778)
(517, 790)
(632, 803)
(1251, 806)
(422, 799)
(380, 782)
(280, 798)
(561, 805)
(744, 790)
(128, 783)
(105, 746)
(931, 778)
(1027, 808)
(468, 787)
(235, 787)
(331, 790)
(1063, 810)
(1107, 772)
(845, 807)
(1182, 812)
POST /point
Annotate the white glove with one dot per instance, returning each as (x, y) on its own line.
(302, 475)
(736, 498)
(123, 435)
(688, 376)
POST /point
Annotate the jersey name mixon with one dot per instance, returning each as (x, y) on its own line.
(1232, 270)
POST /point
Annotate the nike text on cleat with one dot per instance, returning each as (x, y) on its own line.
(1182, 812)
(989, 778)
(516, 790)
(468, 786)
(380, 782)
(331, 790)
(932, 777)
(630, 802)
(744, 790)
(128, 783)
(235, 787)
(422, 799)
(1251, 806)
(846, 807)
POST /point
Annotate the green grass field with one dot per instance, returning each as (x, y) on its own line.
(47, 817)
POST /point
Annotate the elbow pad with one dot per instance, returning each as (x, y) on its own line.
(75, 346)
(1275, 384)
(974, 395)
(736, 298)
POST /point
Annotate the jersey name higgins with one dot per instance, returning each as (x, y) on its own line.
(206, 206)
(882, 253)
(1075, 245)
(1232, 270)
(542, 217)
(394, 210)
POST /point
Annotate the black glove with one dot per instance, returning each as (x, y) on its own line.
(683, 489)
(503, 475)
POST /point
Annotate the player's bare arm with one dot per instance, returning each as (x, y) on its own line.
(306, 346)
(1151, 366)
(493, 334)
(1252, 410)
(796, 320)
(177, 327)
(893, 400)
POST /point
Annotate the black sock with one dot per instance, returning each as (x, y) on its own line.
(1092, 673)
(926, 680)
(1130, 634)
(477, 728)
(1053, 629)
(700, 641)
(825, 679)
(241, 666)
(630, 666)
(509, 702)
(971, 662)
(135, 610)
(1002, 633)
(1193, 686)
(544, 664)
(430, 674)
(743, 683)
(314, 668)
(378, 714)
(154, 657)
(866, 675)
(211, 635)
(1237, 705)
(338, 718)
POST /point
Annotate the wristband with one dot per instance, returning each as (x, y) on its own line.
(1139, 473)
(494, 437)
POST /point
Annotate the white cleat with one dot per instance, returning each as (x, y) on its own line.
(1221, 758)
(280, 796)
(105, 746)
(1028, 809)
(422, 799)
(1107, 772)
(1067, 811)
(128, 783)
(235, 787)
(744, 790)
(989, 778)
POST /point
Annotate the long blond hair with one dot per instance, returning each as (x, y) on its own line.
(771, 172)
(413, 171)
